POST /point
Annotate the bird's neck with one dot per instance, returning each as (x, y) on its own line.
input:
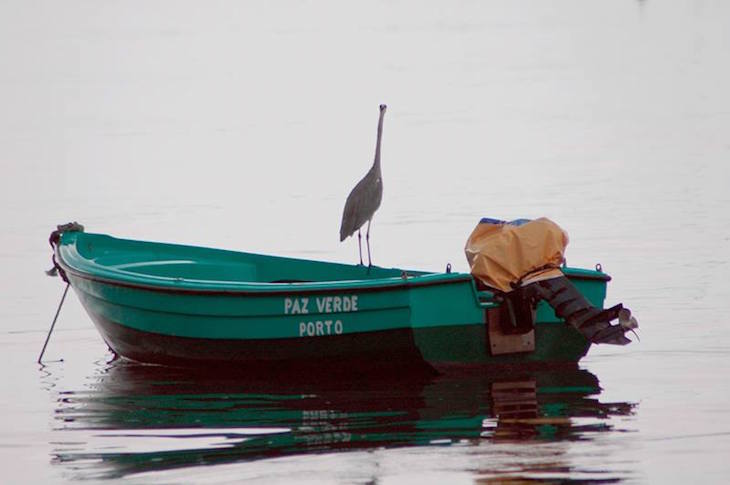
(376, 164)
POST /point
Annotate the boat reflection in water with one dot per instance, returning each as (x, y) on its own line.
(137, 418)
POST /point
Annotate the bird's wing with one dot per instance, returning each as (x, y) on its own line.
(349, 216)
(361, 204)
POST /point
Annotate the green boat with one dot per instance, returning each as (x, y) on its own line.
(187, 306)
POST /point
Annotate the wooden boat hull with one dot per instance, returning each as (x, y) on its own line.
(361, 316)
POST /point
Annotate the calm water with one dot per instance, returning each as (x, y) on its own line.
(244, 126)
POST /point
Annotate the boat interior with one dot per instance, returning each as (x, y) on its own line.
(160, 260)
(174, 264)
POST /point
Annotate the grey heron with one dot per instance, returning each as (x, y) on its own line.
(364, 199)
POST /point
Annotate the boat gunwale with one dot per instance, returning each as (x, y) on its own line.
(239, 288)
(264, 289)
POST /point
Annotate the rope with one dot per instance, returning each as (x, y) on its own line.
(58, 311)
(56, 270)
(53, 240)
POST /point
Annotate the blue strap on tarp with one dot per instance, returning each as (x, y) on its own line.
(516, 222)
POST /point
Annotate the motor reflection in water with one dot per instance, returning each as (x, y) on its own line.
(137, 418)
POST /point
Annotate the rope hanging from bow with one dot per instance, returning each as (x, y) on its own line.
(53, 240)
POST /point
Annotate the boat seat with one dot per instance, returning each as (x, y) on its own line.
(195, 270)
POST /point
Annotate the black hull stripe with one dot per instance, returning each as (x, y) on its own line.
(371, 347)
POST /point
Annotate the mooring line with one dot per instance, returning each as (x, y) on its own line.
(53, 324)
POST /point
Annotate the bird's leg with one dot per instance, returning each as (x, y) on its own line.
(367, 241)
(359, 244)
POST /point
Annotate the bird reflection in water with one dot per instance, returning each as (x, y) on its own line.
(137, 418)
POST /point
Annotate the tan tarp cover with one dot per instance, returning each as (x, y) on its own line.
(501, 253)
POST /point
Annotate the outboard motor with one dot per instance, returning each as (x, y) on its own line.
(570, 305)
(521, 261)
